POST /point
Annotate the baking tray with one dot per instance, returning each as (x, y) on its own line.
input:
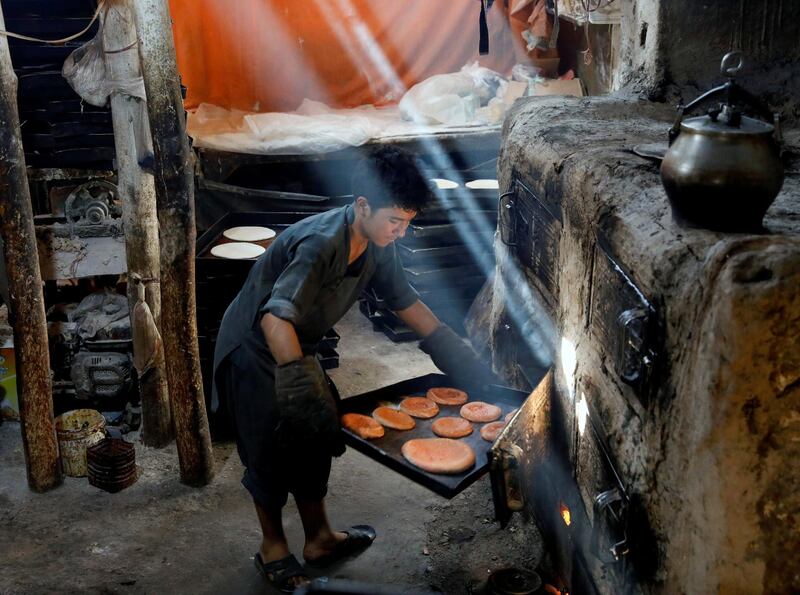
(410, 254)
(442, 233)
(386, 450)
(277, 221)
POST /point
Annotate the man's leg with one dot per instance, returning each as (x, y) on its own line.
(273, 541)
(320, 538)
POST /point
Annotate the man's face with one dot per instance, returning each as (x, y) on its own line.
(383, 226)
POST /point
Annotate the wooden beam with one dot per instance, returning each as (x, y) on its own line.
(138, 193)
(175, 192)
(26, 310)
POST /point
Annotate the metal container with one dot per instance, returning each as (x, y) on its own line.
(78, 430)
(723, 170)
(112, 464)
(513, 581)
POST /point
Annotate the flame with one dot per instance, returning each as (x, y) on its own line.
(565, 514)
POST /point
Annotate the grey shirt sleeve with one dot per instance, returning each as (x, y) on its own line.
(295, 291)
(389, 280)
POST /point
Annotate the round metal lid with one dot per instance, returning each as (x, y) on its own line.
(708, 126)
(514, 581)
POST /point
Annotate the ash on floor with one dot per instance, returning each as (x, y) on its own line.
(160, 536)
(466, 544)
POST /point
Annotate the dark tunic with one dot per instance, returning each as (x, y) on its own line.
(304, 278)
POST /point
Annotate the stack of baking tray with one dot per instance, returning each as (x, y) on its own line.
(447, 259)
(218, 281)
(58, 129)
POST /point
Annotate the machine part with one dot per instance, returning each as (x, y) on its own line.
(103, 316)
(64, 343)
(92, 203)
(101, 375)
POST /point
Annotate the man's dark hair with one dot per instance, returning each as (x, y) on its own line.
(389, 177)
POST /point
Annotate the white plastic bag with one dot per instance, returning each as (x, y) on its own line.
(452, 99)
(85, 71)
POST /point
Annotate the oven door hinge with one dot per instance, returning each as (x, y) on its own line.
(610, 510)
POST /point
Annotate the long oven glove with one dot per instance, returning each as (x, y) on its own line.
(456, 358)
(309, 419)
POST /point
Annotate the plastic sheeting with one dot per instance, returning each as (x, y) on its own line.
(313, 128)
(270, 55)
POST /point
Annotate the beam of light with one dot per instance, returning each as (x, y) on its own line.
(474, 230)
(569, 362)
(250, 26)
(582, 413)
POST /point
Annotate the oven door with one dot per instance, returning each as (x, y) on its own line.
(531, 472)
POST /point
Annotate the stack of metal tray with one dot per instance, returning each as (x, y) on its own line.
(218, 280)
(446, 261)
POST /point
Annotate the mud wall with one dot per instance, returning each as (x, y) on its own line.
(711, 457)
(671, 49)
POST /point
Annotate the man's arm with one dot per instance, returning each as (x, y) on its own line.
(448, 351)
(281, 339)
(419, 318)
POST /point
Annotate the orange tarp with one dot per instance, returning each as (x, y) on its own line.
(268, 55)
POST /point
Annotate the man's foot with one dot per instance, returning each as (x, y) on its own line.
(285, 574)
(322, 547)
(339, 545)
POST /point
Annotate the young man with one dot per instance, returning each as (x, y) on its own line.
(265, 369)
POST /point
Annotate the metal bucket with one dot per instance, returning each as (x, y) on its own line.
(77, 430)
(112, 464)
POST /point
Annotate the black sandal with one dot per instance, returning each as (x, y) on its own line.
(359, 537)
(280, 572)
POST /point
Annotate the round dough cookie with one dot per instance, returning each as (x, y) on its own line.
(439, 455)
(492, 430)
(392, 418)
(249, 233)
(451, 427)
(487, 184)
(510, 414)
(419, 407)
(447, 396)
(237, 250)
(362, 426)
(480, 412)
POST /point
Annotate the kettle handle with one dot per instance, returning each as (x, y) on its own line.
(733, 94)
(727, 68)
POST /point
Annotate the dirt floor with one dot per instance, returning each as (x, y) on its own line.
(160, 536)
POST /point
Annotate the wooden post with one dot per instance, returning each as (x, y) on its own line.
(175, 192)
(26, 309)
(138, 193)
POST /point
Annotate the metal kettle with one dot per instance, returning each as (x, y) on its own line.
(723, 170)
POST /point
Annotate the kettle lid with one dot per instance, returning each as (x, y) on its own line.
(739, 125)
